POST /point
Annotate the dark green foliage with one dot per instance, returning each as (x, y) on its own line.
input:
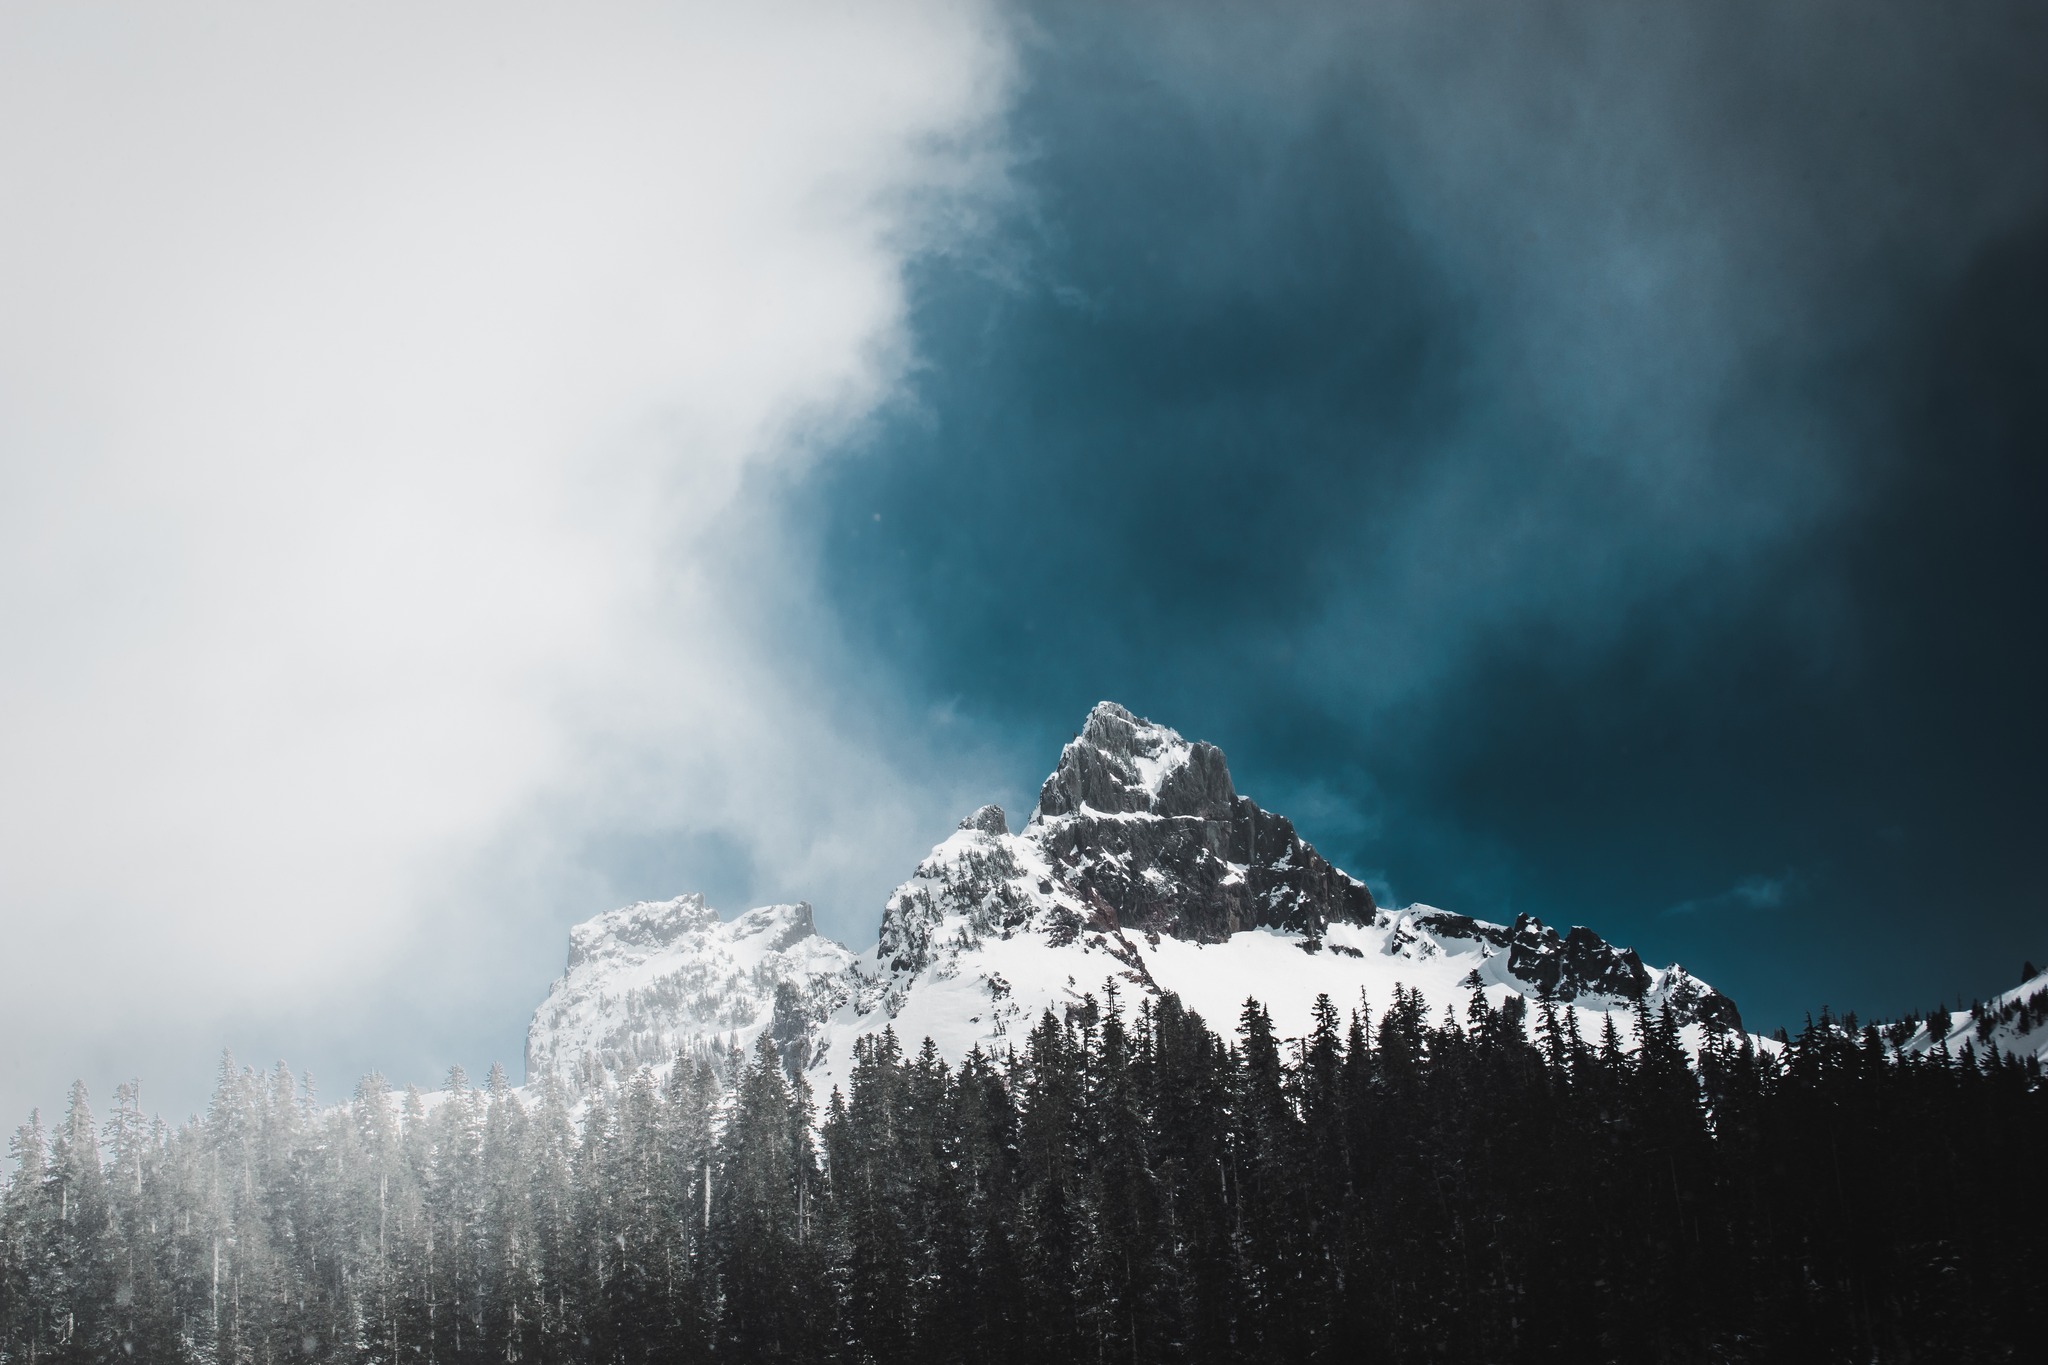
(1126, 1188)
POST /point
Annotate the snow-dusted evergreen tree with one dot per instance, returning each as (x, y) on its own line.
(25, 1237)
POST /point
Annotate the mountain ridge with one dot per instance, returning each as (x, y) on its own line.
(1141, 869)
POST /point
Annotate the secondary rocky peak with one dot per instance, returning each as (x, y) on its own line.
(989, 820)
(1580, 963)
(655, 978)
(1578, 966)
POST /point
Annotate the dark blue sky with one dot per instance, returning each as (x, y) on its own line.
(1586, 460)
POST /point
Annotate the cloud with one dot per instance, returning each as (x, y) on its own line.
(1751, 893)
(379, 392)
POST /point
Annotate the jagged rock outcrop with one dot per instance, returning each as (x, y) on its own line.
(1581, 965)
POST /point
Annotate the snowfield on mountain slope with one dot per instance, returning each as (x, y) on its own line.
(2013, 1030)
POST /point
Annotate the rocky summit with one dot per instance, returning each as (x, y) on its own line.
(1149, 831)
(1142, 870)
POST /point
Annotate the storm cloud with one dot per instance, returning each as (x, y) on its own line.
(1571, 455)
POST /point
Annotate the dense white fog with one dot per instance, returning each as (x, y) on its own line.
(378, 389)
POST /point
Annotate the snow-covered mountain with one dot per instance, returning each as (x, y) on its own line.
(1141, 867)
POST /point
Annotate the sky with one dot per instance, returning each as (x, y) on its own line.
(464, 468)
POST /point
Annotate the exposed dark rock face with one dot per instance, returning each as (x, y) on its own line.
(1444, 924)
(1121, 765)
(1582, 963)
(1149, 829)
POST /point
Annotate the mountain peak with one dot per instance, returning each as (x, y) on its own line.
(1122, 764)
(1148, 827)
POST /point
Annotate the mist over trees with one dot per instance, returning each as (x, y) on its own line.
(1126, 1186)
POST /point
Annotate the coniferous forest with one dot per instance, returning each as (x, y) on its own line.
(1125, 1187)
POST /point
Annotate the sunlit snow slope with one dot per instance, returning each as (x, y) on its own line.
(1141, 870)
(2015, 1024)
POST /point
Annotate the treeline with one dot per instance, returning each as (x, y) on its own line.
(1127, 1187)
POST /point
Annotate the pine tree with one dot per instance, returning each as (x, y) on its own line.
(776, 1306)
(1053, 1214)
(1134, 1306)
(865, 1148)
(555, 1294)
(1273, 1225)
(987, 1325)
(27, 1288)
